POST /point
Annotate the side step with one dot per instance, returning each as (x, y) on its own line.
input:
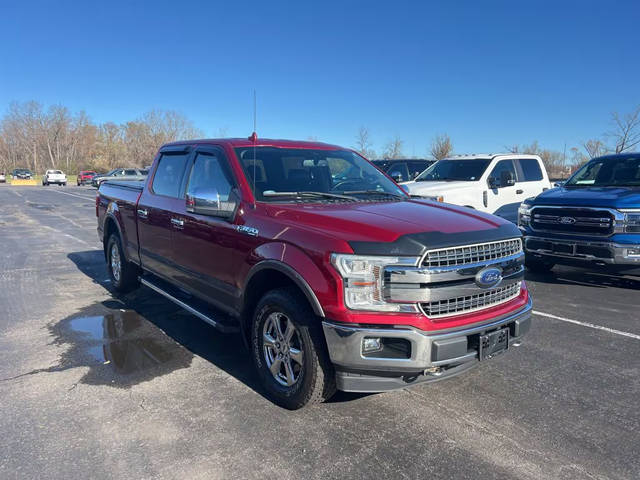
(218, 320)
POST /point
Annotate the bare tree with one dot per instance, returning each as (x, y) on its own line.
(393, 149)
(441, 147)
(626, 130)
(363, 143)
(594, 148)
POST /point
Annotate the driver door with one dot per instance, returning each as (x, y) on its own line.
(502, 197)
(208, 244)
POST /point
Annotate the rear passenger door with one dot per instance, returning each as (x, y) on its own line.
(530, 177)
(158, 208)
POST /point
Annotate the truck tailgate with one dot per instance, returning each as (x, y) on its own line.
(123, 196)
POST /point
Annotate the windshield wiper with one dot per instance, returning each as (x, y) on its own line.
(373, 192)
(305, 194)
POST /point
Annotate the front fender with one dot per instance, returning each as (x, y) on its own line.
(299, 267)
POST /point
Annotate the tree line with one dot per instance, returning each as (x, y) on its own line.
(39, 139)
(623, 136)
(56, 138)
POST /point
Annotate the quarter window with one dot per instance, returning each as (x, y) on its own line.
(168, 177)
(530, 169)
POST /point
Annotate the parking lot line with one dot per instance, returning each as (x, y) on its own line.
(587, 324)
(88, 199)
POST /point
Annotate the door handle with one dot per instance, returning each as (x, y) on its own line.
(519, 192)
(143, 213)
(177, 222)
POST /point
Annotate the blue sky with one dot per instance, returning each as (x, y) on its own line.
(487, 73)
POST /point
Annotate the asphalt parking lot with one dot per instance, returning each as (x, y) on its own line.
(93, 385)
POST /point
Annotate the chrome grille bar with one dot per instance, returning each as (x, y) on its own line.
(469, 254)
(470, 303)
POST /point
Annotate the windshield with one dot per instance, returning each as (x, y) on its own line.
(608, 172)
(450, 170)
(287, 170)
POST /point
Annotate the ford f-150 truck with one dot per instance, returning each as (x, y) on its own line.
(334, 276)
(593, 220)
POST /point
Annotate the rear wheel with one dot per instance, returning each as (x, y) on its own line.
(45, 184)
(537, 265)
(123, 274)
(289, 351)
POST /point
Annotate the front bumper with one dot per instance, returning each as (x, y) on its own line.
(582, 251)
(431, 356)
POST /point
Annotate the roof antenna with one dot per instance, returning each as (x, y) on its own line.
(254, 139)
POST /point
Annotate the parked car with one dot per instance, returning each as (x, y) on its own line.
(3, 177)
(403, 170)
(494, 184)
(120, 174)
(593, 220)
(22, 174)
(54, 176)
(347, 284)
(85, 176)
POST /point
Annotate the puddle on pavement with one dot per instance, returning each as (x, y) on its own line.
(121, 348)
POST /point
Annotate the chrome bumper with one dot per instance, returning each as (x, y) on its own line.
(590, 251)
(445, 350)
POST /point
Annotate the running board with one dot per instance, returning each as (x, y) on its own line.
(198, 311)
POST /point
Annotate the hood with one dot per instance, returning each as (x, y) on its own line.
(396, 228)
(437, 188)
(608, 197)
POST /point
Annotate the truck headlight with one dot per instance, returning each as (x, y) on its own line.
(631, 220)
(364, 281)
(524, 214)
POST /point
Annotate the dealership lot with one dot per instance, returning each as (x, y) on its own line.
(93, 385)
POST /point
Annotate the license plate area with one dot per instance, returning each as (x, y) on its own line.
(564, 248)
(493, 344)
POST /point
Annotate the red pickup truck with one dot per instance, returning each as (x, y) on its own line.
(334, 276)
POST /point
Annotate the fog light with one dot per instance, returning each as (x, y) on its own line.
(371, 344)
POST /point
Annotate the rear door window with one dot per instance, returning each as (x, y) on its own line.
(531, 171)
(167, 180)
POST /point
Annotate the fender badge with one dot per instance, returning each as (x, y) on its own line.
(247, 230)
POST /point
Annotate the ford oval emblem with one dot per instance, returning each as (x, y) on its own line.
(488, 277)
(567, 220)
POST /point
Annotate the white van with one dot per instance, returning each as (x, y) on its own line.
(493, 183)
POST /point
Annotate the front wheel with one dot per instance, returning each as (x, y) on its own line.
(289, 350)
(123, 274)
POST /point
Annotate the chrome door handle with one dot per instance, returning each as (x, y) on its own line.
(143, 213)
(177, 222)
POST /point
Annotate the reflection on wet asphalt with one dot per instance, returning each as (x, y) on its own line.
(121, 348)
(128, 343)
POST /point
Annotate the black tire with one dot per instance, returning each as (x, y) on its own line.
(127, 279)
(45, 184)
(315, 382)
(537, 265)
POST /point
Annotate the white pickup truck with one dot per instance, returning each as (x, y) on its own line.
(493, 183)
(54, 176)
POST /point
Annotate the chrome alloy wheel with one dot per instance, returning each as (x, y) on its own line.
(116, 264)
(282, 347)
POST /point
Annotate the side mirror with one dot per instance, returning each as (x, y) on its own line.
(493, 183)
(506, 179)
(559, 184)
(207, 201)
(397, 177)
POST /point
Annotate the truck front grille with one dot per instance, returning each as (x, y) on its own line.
(469, 303)
(483, 252)
(586, 221)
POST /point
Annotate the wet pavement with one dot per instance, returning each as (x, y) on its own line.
(94, 385)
